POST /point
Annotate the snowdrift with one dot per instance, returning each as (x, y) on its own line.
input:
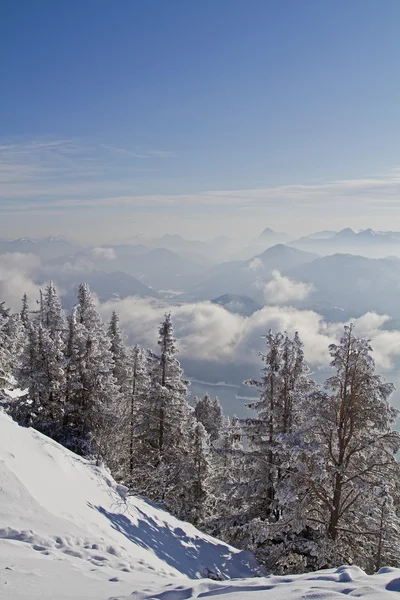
(332, 584)
(71, 516)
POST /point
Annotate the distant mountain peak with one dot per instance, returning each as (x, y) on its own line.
(237, 303)
(25, 240)
(347, 232)
(367, 233)
(267, 232)
(50, 238)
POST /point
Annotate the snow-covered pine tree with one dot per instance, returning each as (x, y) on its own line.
(24, 314)
(42, 369)
(54, 326)
(120, 354)
(228, 475)
(28, 408)
(11, 341)
(172, 417)
(344, 455)
(140, 452)
(269, 434)
(209, 413)
(122, 371)
(197, 499)
(92, 392)
(52, 313)
(262, 431)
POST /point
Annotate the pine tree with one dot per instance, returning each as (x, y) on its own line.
(209, 413)
(25, 311)
(122, 367)
(92, 392)
(282, 387)
(228, 469)
(52, 315)
(172, 418)
(141, 426)
(11, 342)
(344, 454)
(198, 467)
(258, 524)
(42, 369)
(54, 331)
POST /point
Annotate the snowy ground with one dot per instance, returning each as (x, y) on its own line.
(67, 531)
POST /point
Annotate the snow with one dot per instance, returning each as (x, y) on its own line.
(332, 584)
(68, 531)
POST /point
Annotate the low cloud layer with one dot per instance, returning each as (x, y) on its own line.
(208, 332)
(282, 290)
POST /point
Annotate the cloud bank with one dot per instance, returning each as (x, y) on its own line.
(206, 331)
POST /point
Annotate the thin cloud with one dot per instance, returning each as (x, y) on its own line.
(142, 154)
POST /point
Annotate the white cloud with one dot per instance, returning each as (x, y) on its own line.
(208, 332)
(282, 290)
(16, 271)
(256, 264)
(101, 253)
(25, 263)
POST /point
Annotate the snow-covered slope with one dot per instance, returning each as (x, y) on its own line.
(67, 530)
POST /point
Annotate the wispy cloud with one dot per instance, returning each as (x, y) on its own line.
(140, 154)
(50, 176)
(58, 168)
(74, 173)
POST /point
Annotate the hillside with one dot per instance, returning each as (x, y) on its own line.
(68, 531)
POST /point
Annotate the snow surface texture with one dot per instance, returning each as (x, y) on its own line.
(68, 531)
(332, 584)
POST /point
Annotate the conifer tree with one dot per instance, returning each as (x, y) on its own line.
(42, 369)
(209, 413)
(172, 419)
(228, 471)
(345, 454)
(121, 368)
(283, 385)
(92, 391)
(197, 499)
(11, 342)
(25, 311)
(141, 422)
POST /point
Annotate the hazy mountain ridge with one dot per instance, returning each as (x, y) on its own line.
(244, 277)
(370, 243)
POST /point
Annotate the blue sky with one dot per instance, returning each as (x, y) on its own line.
(128, 116)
